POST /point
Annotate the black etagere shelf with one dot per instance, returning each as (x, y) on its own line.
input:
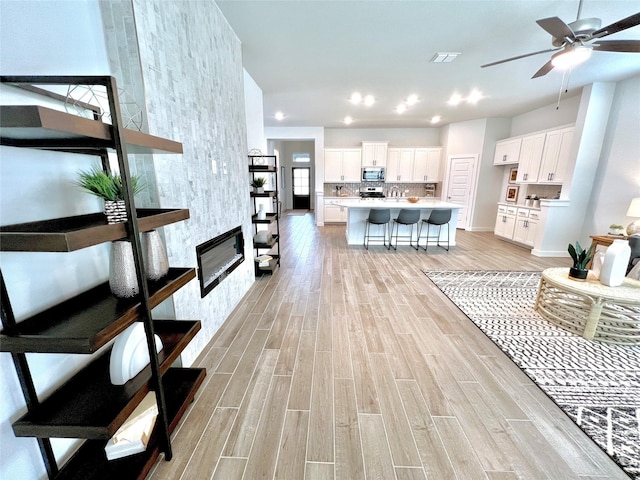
(88, 406)
(266, 166)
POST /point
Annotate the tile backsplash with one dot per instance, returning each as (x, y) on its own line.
(352, 189)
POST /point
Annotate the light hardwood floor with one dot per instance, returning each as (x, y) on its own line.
(350, 364)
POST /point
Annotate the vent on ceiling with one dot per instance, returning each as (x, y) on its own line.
(444, 57)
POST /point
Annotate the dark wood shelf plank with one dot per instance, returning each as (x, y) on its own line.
(90, 461)
(262, 168)
(35, 126)
(89, 405)
(271, 217)
(74, 233)
(266, 194)
(270, 244)
(85, 323)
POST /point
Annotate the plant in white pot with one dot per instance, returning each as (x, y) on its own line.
(581, 259)
(258, 184)
(109, 187)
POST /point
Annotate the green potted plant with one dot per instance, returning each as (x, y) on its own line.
(258, 184)
(615, 229)
(109, 187)
(581, 259)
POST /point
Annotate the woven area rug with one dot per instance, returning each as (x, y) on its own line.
(596, 384)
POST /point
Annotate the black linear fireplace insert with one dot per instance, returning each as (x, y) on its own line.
(218, 257)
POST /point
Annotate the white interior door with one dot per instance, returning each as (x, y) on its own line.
(460, 183)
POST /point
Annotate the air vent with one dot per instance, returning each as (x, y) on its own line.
(444, 57)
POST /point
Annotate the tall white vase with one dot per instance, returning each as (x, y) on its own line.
(262, 214)
(122, 270)
(156, 263)
(614, 265)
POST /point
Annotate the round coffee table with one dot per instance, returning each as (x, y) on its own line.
(589, 308)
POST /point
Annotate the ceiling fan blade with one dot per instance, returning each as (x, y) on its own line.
(557, 28)
(546, 68)
(624, 46)
(518, 57)
(630, 21)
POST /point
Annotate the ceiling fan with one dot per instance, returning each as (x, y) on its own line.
(574, 42)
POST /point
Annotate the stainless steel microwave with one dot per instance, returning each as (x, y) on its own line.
(373, 174)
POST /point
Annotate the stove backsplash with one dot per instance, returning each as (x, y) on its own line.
(353, 189)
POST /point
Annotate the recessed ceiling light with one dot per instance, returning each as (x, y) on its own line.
(455, 99)
(435, 119)
(348, 120)
(474, 96)
(401, 108)
(279, 116)
(356, 98)
(369, 100)
(412, 99)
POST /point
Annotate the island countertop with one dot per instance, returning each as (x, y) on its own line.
(358, 211)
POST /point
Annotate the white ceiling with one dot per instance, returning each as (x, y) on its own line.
(308, 56)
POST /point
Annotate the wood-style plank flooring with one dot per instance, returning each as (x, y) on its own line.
(350, 364)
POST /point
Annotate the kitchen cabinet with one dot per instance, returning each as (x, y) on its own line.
(426, 165)
(526, 226)
(399, 165)
(507, 151)
(88, 406)
(555, 156)
(530, 158)
(334, 213)
(505, 221)
(342, 165)
(374, 154)
(266, 166)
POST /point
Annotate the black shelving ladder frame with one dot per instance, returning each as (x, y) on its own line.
(7, 317)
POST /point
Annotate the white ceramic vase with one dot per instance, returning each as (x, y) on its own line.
(156, 263)
(122, 270)
(614, 265)
(262, 215)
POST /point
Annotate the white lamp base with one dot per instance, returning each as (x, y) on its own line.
(633, 228)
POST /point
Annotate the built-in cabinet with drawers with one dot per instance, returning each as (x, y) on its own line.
(342, 165)
(374, 154)
(334, 213)
(517, 224)
(413, 165)
(88, 406)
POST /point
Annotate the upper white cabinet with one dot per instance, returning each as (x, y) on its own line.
(426, 165)
(507, 151)
(342, 165)
(374, 154)
(555, 156)
(530, 158)
(399, 165)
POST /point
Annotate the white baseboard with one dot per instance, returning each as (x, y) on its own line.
(549, 253)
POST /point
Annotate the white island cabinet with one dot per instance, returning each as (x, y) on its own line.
(358, 211)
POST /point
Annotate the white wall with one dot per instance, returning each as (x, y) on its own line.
(546, 117)
(397, 137)
(254, 112)
(618, 176)
(38, 38)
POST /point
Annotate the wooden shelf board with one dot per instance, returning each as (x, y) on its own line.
(74, 233)
(89, 405)
(90, 461)
(262, 168)
(85, 323)
(35, 126)
(271, 217)
(270, 244)
(269, 193)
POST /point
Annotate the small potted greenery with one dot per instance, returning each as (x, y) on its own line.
(258, 184)
(581, 259)
(615, 229)
(109, 187)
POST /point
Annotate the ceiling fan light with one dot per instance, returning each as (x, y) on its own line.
(571, 57)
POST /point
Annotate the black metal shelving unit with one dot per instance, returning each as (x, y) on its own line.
(266, 165)
(88, 406)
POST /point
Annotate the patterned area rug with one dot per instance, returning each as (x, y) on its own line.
(596, 384)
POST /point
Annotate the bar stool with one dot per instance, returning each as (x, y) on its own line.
(405, 217)
(437, 218)
(377, 216)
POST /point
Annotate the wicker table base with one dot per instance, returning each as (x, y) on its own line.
(591, 309)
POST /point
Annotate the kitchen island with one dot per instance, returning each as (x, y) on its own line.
(358, 211)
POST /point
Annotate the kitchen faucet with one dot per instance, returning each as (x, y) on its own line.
(394, 191)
